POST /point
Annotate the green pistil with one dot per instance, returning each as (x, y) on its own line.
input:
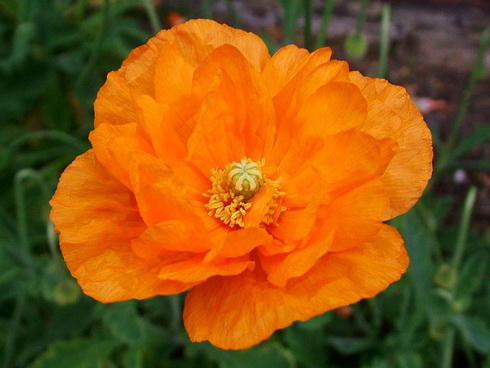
(245, 178)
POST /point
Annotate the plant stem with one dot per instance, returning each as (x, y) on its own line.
(327, 14)
(207, 9)
(53, 135)
(290, 19)
(152, 16)
(448, 348)
(308, 4)
(464, 227)
(233, 14)
(97, 47)
(384, 42)
(361, 18)
(21, 207)
(445, 155)
(20, 304)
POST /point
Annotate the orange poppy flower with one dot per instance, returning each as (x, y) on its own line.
(257, 183)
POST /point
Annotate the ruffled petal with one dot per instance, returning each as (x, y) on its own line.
(197, 38)
(333, 108)
(349, 159)
(236, 118)
(173, 75)
(115, 144)
(173, 239)
(298, 93)
(97, 218)
(195, 270)
(282, 66)
(192, 42)
(239, 243)
(391, 114)
(264, 308)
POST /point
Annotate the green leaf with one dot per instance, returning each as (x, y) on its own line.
(307, 345)
(55, 108)
(23, 37)
(475, 330)
(418, 242)
(438, 307)
(265, 355)
(68, 321)
(352, 345)
(123, 321)
(8, 267)
(133, 358)
(482, 165)
(472, 140)
(472, 274)
(80, 353)
(409, 360)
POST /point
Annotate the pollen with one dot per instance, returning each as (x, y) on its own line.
(233, 191)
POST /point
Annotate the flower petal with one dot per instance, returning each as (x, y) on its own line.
(391, 114)
(282, 66)
(333, 108)
(97, 217)
(173, 75)
(239, 243)
(357, 215)
(168, 238)
(197, 38)
(237, 116)
(211, 311)
(114, 144)
(282, 267)
(195, 270)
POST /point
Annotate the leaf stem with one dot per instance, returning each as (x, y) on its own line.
(384, 41)
(361, 18)
(207, 9)
(308, 4)
(152, 16)
(464, 227)
(97, 47)
(448, 348)
(233, 14)
(445, 155)
(20, 304)
(327, 14)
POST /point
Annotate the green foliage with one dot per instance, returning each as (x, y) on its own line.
(51, 66)
(78, 353)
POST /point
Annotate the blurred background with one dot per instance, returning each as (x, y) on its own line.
(55, 55)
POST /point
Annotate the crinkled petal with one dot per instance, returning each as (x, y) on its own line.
(357, 215)
(192, 42)
(195, 270)
(239, 243)
(173, 75)
(391, 114)
(333, 108)
(349, 159)
(283, 65)
(236, 118)
(197, 38)
(169, 238)
(337, 279)
(114, 144)
(97, 218)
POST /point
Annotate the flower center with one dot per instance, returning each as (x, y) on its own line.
(244, 177)
(240, 189)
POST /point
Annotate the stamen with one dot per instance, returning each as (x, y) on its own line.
(233, 189)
